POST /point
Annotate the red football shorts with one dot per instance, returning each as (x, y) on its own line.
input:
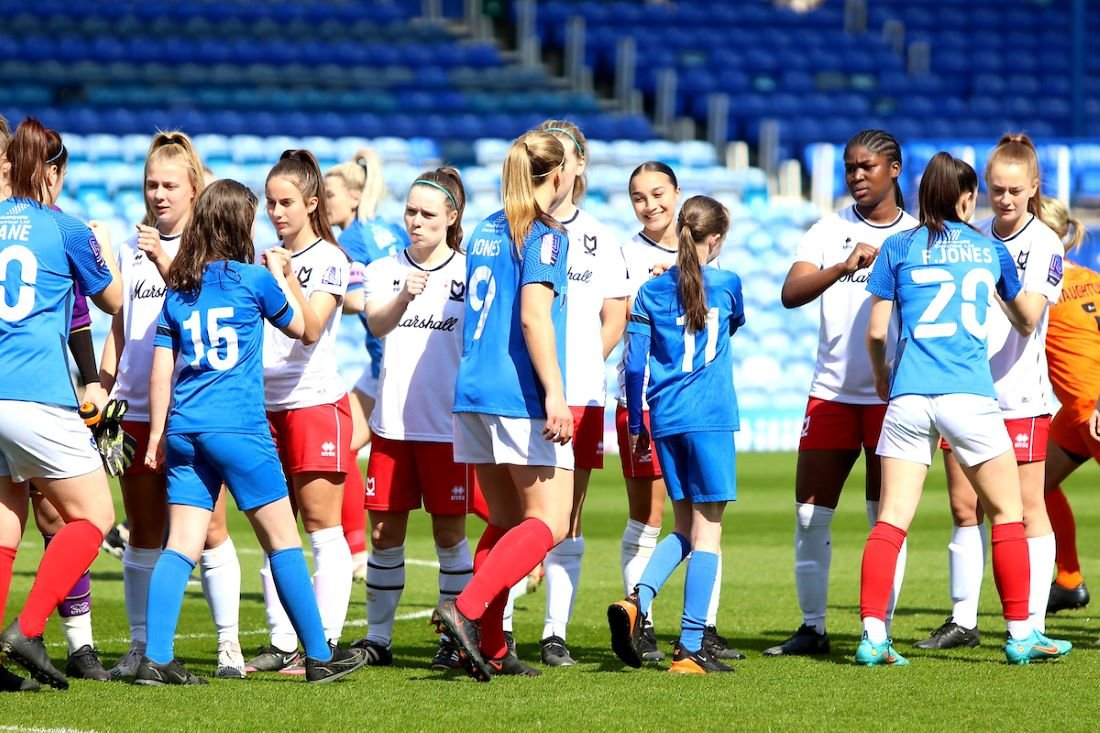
(831, 425)
(643, 465)
(588, 436)
(402, 473)
(314, 438)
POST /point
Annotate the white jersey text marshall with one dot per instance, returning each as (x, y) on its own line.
(420, 356)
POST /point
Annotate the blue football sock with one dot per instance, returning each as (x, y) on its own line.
(669, 553)
(288, 570)
(166, 588)
(698, 586)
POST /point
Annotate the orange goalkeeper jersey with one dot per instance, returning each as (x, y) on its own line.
(1073, 342)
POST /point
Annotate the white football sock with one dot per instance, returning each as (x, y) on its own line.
(813, 554)
(966, 559)
(78, 630)
(875, 630)
(517, 590)
(331, 578)
(638, 543)
(563, 574)
(283, 636)
(385, 583)
(221, 583)
(456, 567)
(137, 569)
(899, 569)
(715, 595)
(1042, 551)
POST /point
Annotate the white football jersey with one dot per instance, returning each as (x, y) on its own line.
(1018, 362)
(843, 372)
(641, 254)
(143, 292)
(296, 375)
(420, 356)
(597, 271)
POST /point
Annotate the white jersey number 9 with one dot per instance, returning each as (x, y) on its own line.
(976, 323)
(215, 333)
(24, 301)
(479, 304)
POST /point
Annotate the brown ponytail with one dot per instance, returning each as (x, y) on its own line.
(944, 181)
(449, 180)
(301, 167)
(220, 228)
(31, 152)
(700, 217)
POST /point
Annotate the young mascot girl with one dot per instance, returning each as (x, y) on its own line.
(942, 277)
(213, 318)
(307, 402)
(511, 417)
(681, 323)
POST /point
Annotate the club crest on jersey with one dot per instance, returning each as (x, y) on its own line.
(304, 275)
(458, 291)
(548, 253)
(1054, 272)
(370, 485)
(332, 277)
(590, 244)
(1021, 261)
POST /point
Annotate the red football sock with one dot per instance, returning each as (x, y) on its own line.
(515, 555)
(880, 558)
(489, 539)
(493, 644)
(353, 516)
(1065, 534)
(7, 559)
(1011, 569)
(70, 553)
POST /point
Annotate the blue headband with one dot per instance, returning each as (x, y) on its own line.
(563, 131)
(433, 184)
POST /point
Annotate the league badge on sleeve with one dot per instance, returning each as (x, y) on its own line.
(332, 277)
(549, 249)
(93, 244)
(1054, 272)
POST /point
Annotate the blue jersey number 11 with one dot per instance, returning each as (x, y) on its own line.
(689, 341)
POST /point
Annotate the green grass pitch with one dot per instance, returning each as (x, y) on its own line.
(969, 690)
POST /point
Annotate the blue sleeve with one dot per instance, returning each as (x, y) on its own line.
(168, 333)
(640, 328)
(737, 307)
(544, 255)
(883, 279)
(1008, 285)
(85, 258)
(273, 303)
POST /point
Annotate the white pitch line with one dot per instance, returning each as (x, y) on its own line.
(26, 729)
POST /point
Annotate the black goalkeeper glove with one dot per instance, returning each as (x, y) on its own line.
(116, 446)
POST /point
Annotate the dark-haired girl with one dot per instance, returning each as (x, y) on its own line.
(680, 324)
(415, 302)
(307, 402)
(943, 277)
(42, 253)
(217, 431)
(843, 415)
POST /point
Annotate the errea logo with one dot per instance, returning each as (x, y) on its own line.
(1022, 440)
(328, 449)
(458, 493)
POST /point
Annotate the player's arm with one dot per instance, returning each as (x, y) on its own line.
(355, 299)
(878, 329)
(1026, 311)
(109, 299)
(148, 241)
(806, 281)
(536, 300)
(384, 315)
(160, 395)
(112, 353)
(612, 323)
(634, 364)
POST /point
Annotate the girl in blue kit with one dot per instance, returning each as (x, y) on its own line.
(680, 324)
(218, 431)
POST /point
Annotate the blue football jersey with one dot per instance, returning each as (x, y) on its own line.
(942, 292)
(42, 253)
(495, 376)
(690, 374)
(218, 334)
(364, 242)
